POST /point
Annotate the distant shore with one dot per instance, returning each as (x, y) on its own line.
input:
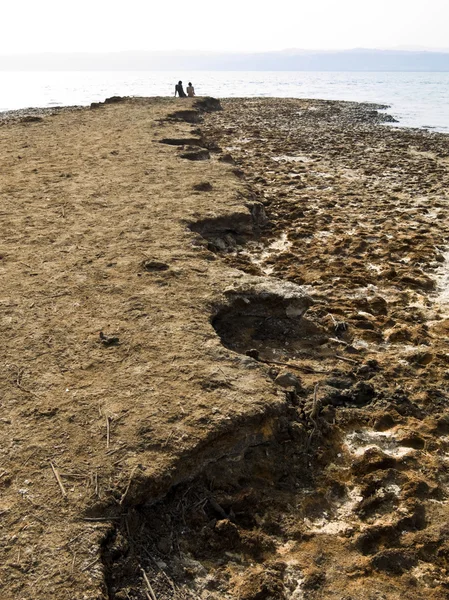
(360, 59)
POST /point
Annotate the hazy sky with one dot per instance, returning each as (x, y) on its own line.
(109, 25)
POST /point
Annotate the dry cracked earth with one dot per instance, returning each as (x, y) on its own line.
(264, 413)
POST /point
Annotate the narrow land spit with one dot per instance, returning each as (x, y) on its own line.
(224, 359)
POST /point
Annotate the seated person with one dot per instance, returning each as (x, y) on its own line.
(180, 90)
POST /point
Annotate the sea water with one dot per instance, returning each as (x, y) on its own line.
(416, 99)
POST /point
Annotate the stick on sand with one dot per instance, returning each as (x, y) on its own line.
(58, 479)
(108, 431)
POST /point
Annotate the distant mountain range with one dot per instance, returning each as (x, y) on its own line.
(285, 60)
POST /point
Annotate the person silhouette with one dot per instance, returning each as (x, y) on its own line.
(180, 90)
(190, 90)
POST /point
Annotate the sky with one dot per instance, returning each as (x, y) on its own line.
(33, 26)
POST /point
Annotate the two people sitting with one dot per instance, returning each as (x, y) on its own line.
(180, 90)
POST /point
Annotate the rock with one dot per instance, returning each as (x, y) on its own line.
(420, 282)
(398, 334)
(394, 561)
(164, 545)
(288, 299)
(115, 100)
(204, 186)
(384, 423)
(421, 359)
(363, 323)
(227, 158)
(297, 432)
(376, 305)
(228, 530)
(196, 154)
(418, 488)
(441, 327)
(401, 403)
(258, 214)
(412, 440)
(373, 460)
(359, 394)
(365, 372)
(442, 425)
(31, 119)
(287, 379)
(370, 335)
(340, 327)
(248, 363)
(154, 265)
(341, 383)
(208, 104)
(349, 349)
(108, 340)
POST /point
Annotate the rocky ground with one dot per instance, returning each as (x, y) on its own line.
(225, 361)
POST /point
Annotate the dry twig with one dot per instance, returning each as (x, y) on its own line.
(170, 581)
(337, 341)
(147, 581)
(349, 360)
(314, 413)
(315, 406)
(101, 519)
(128, 486)
(108, 430)
(58, 479)
(91, 564)
(304, 368)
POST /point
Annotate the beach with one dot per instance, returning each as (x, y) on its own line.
(225, 352)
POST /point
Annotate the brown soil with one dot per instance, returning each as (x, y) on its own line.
(209, 440)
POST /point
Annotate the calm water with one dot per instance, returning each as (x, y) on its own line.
(416, 99)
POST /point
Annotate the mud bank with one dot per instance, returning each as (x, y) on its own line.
(356, 216)
(225, 353)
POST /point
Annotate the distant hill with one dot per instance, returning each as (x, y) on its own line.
(285, 60)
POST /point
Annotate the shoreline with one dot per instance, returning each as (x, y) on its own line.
(417, 99)
(15, 114)
(222, 335)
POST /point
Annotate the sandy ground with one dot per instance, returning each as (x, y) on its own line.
(91, 204)
(153, 343)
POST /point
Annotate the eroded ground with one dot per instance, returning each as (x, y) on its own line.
(264, 413)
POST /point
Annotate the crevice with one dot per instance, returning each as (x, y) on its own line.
(151, 265)
(181, 141)
(205, 524)
(187, 116)
(195, 153)
(225, 233)
(266, 315)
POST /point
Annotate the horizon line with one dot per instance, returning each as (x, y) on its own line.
(231, 52)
